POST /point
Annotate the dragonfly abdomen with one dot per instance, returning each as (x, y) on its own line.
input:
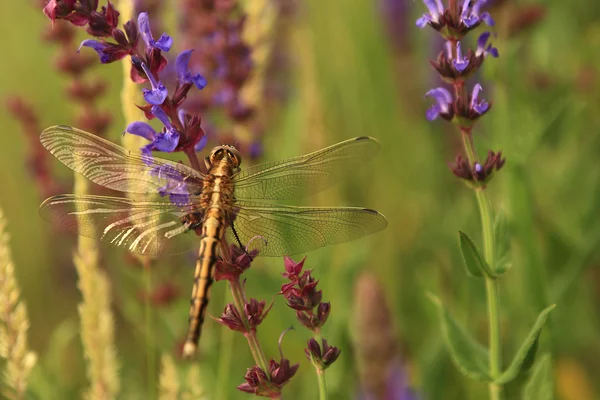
(216, 192)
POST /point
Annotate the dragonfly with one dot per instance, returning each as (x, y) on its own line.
(214, 208)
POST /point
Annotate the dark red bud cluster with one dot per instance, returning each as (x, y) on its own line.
(478, 174)
(255, 312)
(302, 295)
(260, 383)
(240, 260)
(324, 355)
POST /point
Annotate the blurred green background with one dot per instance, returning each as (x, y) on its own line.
(351, 76)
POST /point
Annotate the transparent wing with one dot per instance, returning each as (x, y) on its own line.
(288, 230)
(141, 227)
(304, 175)
(114, 167)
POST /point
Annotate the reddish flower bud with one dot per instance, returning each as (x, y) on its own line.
(255, 312)
(292, 268)
(322, 357)
(231, 271)
(232, 319)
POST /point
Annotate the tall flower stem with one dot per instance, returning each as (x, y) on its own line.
(321, 373)
(491, 285)
(239, 299)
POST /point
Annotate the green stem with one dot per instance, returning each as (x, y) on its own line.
(321, 372)
(225, 357)
(239, 299)
(491, 285)
(149, 328)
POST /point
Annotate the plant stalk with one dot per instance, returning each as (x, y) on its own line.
(320, 372)
(239, 299)
(491, 285)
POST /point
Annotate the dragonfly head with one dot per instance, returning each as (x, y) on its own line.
(226, 152)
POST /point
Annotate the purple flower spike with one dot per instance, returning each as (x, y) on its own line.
(478, 105)
(460, 63)
(443, 100)
(183, 74)
(435, 8)
(165, 41)
(481, 46)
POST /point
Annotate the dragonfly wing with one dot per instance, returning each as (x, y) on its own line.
(117, 168)
(304, 175)
(143, 227)
(287, 230)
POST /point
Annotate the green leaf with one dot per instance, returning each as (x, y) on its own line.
(470, 357)
(502, 244)
(525, 357)
(541, 384)
(476, 266)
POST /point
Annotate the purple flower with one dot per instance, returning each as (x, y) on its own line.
(443, 100)
(157, 95)
(108, 52)
(165, 141)
(183, 73)
(165, 41)
(471, 15)
(481, 46)
(436, 9)
(175, 185)
(460, 63)
(478, 105)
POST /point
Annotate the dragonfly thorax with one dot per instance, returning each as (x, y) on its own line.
(227, 152)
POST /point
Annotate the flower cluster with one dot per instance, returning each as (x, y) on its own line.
(181, 130)
(461, 106)
(269, 379)
(302, 295)
(269, 383)
(477, 172)
(254, 311)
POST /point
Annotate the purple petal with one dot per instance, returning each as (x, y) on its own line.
(433, 112)
(201, 143)
(460, 63)
(164, 43)
(141, 129)
(471, 20)
(162, 117)
(99, 47)
(481, 42)
(179, 199)
(460, 66)
(166, 142)
(465, 9)
(487, 18)
(144, 27)
(423, 21)
(478, 167)
(481, 107)
(147, 153)
(199, 80)
(475, 94)
(181, 64)
(434, 8)
(492, 51)
(157, 95)
(183, 74)
(442, 96)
